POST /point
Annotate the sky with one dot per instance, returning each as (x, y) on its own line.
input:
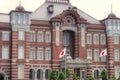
(99, 9)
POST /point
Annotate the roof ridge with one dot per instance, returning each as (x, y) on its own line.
(58, 1)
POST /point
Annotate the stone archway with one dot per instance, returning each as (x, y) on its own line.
(1, 76)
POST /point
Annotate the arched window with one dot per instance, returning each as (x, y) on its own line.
(32, 74)
(47, 73)
(40, 74)
(96, 74)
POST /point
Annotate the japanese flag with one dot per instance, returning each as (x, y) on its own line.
(103, 53)
(62, 53)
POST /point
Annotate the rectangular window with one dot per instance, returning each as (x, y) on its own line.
(20, 71)
(21, 52)
(20, 35)
(40, 36)
(5, 36)
(48, 54)
(116, 39)
(89, 53)
(96, 39)
(40, 53)
(117, 71)
(103, 39)
(32, 53)
(103, 58)
(5, 52)
(116, 54)
(96, 55)
(89, 39)
(48, 37)
(32, 36)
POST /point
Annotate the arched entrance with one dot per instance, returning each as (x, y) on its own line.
(96, 74)
(32, 74)
(1, 76)
(68, 39)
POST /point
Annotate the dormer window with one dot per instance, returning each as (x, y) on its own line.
(50, 8)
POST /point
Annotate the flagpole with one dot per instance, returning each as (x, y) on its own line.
(65, 65)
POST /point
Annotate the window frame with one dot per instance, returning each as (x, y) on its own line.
(33, 39)
(5, 52)
(41, 48)
(20, 69)
(46, 39)
(116, 54)
(23, 35)
(39, 32)
(103, 39)
(21, 52)
(32, 49)
(116, 39)
(96, 55)
(48, 56)
(96, 39)
(4, 37)
(89, 54)
(89, 38)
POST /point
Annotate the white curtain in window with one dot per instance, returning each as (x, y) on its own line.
(20, 71)
(40, 37)
(89, 38)
(21, 52)
(5, 52)
(48, 37)
(116, 39)
(103, 39)
(89, 53)
(5, 36)
(96, 39)
(40, 53)
(21, 35)
(48, 54)
(96, 55)
(116, 54)
(32, 53)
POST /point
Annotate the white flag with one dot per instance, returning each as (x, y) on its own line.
(62, 53)
(103, 53)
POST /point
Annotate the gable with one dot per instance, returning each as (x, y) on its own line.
(42, 14)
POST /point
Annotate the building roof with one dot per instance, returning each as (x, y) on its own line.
(19, 8)
(4, 17)
(42, 14)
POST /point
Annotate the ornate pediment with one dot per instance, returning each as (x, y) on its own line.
(70, 16)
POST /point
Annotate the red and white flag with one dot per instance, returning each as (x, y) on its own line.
(103, 53)
(62, 53)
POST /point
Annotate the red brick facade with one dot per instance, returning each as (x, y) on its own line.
(71, 28)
